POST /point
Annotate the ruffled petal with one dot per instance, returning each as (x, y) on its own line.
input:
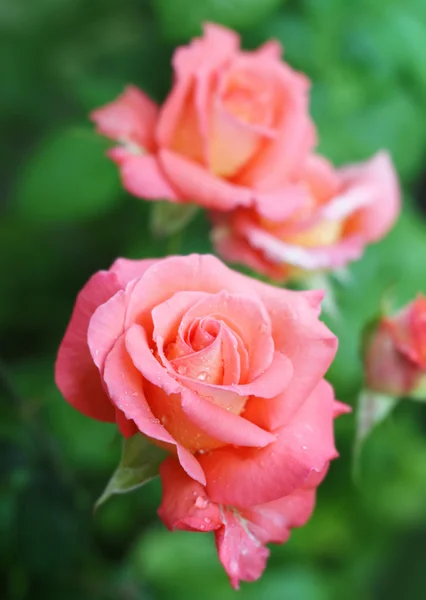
(306, 342)
(125, 387)
(242, 555)
(224, 425)
(127, 269)
(195, 183)
(185, 504)
(247, 316)
(130, 119)
(75, 373)
(142, 175)
(245, 477)
(378, 182)
(313, 258)
(271, 522)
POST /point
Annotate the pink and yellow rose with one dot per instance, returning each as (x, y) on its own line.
(343, 211)
(234, 130)
(224, 372)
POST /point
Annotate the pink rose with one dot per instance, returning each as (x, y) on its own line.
(233, 131)
(345, 209)
(395, 353)
(221, 370)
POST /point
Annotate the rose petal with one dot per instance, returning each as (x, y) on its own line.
(107, 325)
(194, 182)
(75, 374)
(241, 553)
(282, 159)
(244, 315)
(184, 504)
(282, 203)
(271, 49)
(167, 315)
(231, 142)
(245, 477)
(206, 364)
(179, 127)
(131, 118)
(127, 427)
(305, 341)
(271, 522)
(199, 273)
(125, 387)
(323, 180)
(127, 269)
(143, 176)
(268, 385)
(224, 425)
(216, 46)
(341, 409)
(144, 361)
(236, 249)
(379, 181)
(311, 259)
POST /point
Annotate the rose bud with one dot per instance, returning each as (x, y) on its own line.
(395, 353)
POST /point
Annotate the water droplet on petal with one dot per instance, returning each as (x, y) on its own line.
(207, 520)
(182, 370)
(304, 447)
(201, 502)
(202, 376)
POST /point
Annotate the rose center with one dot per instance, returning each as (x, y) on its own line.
(249, 101)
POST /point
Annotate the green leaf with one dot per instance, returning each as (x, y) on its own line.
(67, 178)
(373, 408)
(139, 463)
(182, 19)
(168, 218)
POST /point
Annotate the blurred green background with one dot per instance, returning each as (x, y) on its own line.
(64, 215)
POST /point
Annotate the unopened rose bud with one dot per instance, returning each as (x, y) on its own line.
(395, 354)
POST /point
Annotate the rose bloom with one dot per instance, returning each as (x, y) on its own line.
(344, 210)
(395, 353)
(223, 371)
(232, 132)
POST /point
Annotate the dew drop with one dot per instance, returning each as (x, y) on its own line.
(201, 502)
(207, 520)
(202, 376)
(182, 370)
